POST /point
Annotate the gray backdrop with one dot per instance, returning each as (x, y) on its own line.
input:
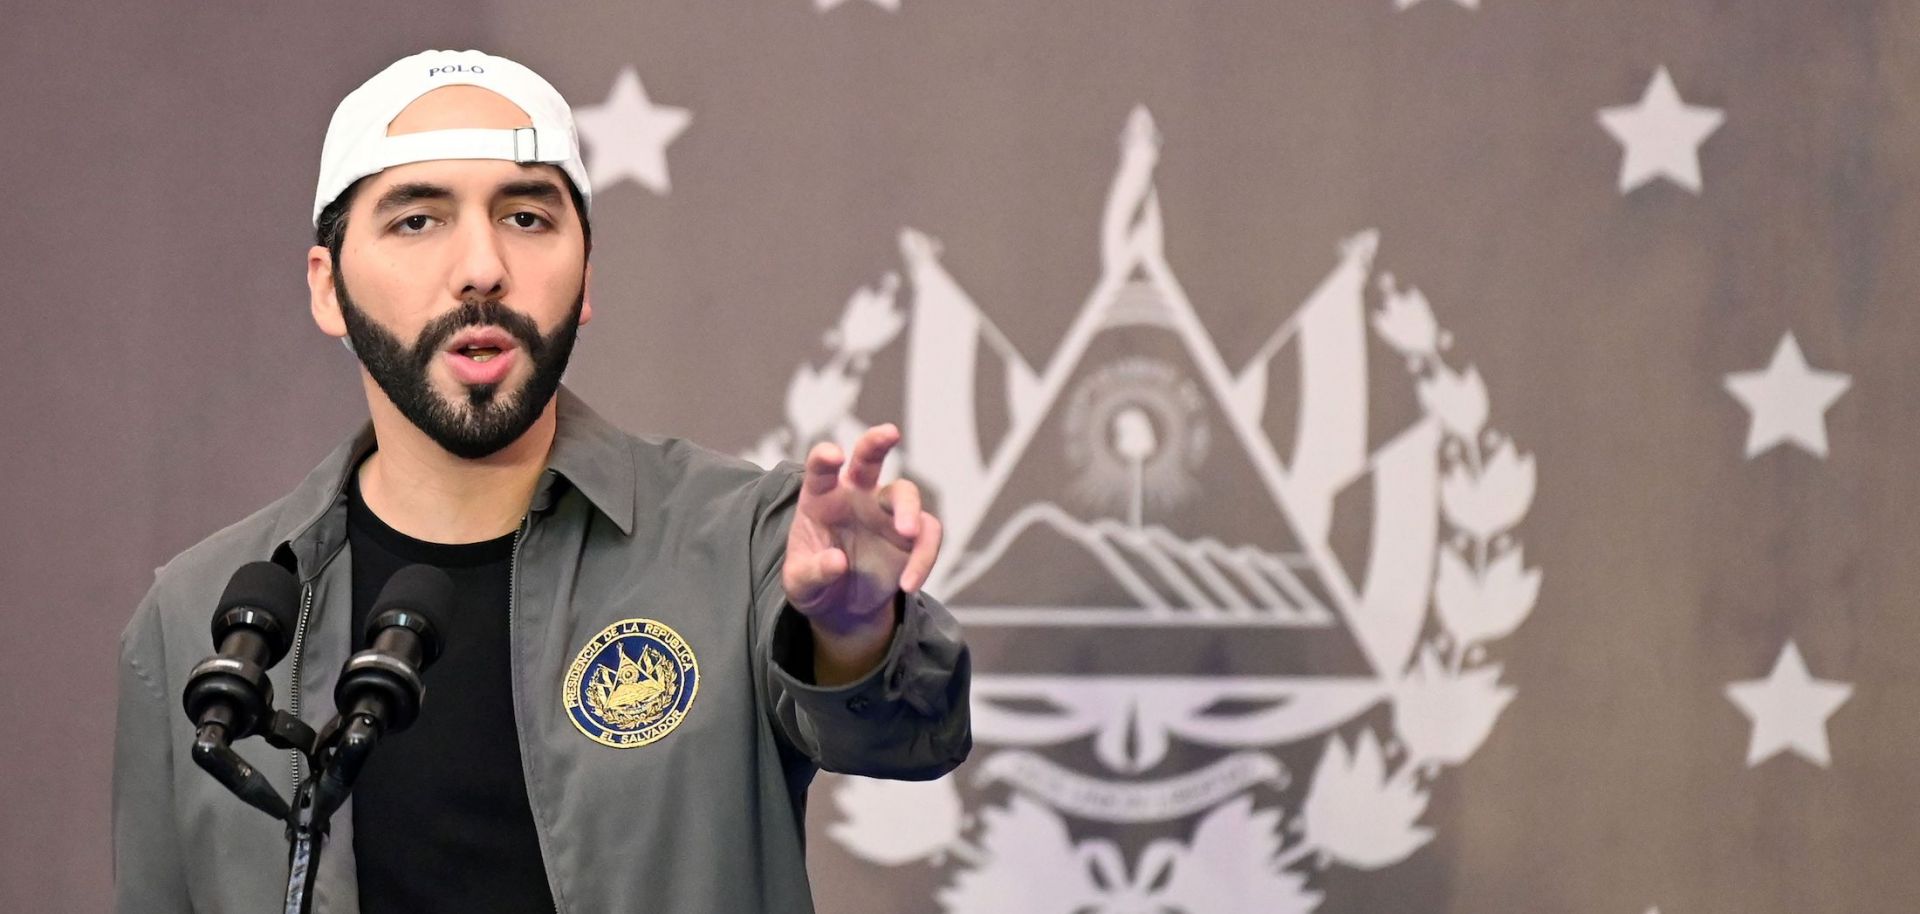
(1594, 751)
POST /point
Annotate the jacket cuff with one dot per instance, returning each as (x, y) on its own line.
(873, 695)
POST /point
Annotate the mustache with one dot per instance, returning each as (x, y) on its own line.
(477, 312)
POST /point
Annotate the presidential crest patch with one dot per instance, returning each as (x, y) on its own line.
(631, 684)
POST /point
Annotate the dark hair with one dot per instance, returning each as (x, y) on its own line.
(330, 230)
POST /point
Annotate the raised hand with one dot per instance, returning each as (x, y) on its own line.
(854, 544)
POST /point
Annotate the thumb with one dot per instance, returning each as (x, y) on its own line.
(807, 575)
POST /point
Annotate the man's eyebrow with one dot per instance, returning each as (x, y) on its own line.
(400, 195)
(540, 191)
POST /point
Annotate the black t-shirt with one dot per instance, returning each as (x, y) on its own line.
(440, 814)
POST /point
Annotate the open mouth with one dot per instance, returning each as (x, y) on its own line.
(479, 353)
(481, 344)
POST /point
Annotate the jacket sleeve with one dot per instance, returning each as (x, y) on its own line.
(148, 872)
(907, 719)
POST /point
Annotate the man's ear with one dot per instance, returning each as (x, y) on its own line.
(586, 295)
(322, 298)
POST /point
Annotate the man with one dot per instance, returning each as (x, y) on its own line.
(653, 647)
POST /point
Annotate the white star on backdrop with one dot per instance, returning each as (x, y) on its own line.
(824, 5)
(1789, 709)
(1661, 135)
(627, 136)
(1788, 401)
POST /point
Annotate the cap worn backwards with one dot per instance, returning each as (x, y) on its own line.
(357, 143)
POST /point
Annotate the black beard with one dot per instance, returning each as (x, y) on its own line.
(489, 419)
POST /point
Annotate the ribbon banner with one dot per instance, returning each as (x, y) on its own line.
(1100, 800)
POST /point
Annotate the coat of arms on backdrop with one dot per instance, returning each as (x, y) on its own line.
(1231, 625)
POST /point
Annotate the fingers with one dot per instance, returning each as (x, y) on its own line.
(901, 498)
(823, 468)
(869, 453)
(826, 461)
(806, 576)
(920, 561)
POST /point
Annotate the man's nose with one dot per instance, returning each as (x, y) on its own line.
(480, 267)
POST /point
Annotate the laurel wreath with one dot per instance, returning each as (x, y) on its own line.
(820, 399)
(1481, 536)
(1448, 696)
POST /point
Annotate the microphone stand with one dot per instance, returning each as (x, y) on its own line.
(336, 754)
(340, 751)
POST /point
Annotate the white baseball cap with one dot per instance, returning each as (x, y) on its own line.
(357, 143)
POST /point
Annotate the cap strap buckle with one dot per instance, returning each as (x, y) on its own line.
(526, 145)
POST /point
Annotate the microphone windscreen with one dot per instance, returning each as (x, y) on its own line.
(423, 590)
(266, 587)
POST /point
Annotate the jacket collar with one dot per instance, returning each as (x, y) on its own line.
(594, 456)
(591, 454)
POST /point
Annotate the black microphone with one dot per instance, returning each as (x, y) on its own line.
(228, 696)
(381, 685)
(379, 691)
(252, 629)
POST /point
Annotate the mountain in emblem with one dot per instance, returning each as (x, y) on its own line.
(1145, 570)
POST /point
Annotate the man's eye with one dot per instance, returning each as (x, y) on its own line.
(527, 220)
(415, 223)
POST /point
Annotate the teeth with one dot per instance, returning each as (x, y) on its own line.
(482, 356)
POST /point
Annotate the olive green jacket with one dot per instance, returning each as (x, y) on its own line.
(708, 818)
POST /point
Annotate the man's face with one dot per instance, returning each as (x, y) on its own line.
(462, 283)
